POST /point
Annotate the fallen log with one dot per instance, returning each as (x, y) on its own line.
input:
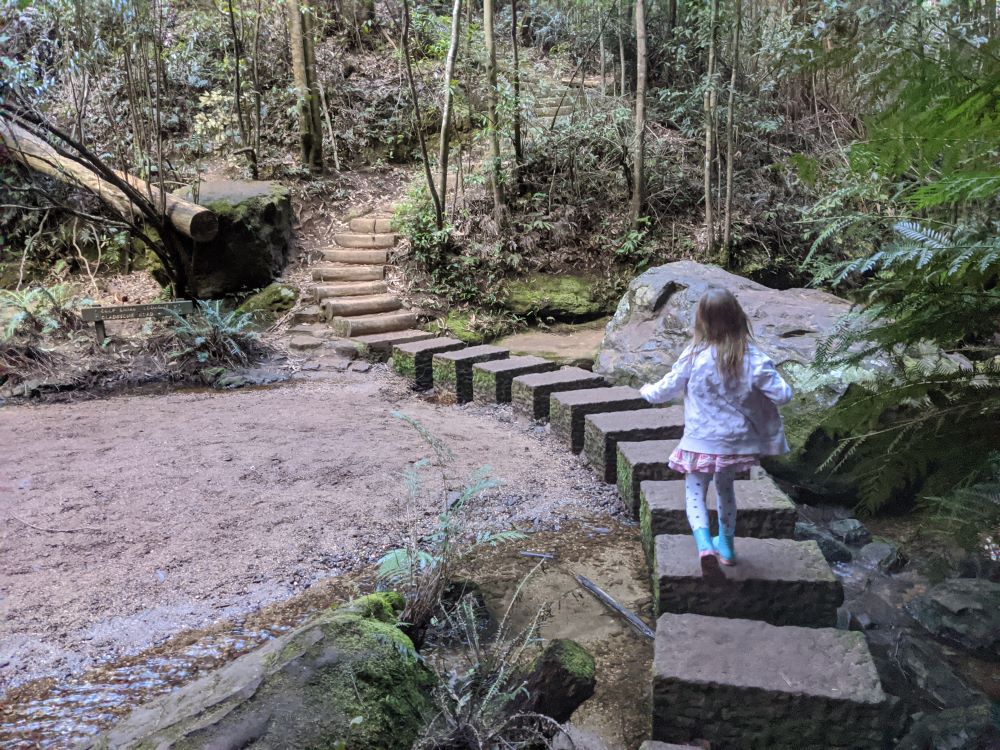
(608, 601)
(190, 219)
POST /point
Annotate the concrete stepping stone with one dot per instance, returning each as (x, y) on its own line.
(343, 272)
(530, 394)
(637, 462)
(567, 410)
(452, 370)
(348, 289)
(371, 225)
(491, 381)
(780, 581)
(731, 681)
(764, 511)
(379, 345)
(304, 343)
(603, 432)
(367, 324)
(365, 240)
(308, 314)
(414, 360)
(369, 257)
(368, 305)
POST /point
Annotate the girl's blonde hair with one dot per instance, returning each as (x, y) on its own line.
(721, 322)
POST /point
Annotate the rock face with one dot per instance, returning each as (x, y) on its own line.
(303, 689)
(964, 612)
(558, 296)
(255, 233)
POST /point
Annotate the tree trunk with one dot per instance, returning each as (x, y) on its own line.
(304, 72)
(238, 93)
(418, 121)
(600, 31)
(671, 15)
(449, 73)
(518, 148)
(710, 99)
(727, 224)
(638, 160)
(491, 108)
(621, 45)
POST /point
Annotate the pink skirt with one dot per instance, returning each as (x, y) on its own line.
(689, 462)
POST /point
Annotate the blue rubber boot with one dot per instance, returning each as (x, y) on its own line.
(706, 551)
(725, 548)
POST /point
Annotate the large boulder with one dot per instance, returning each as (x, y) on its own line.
(255, 234)
(306, 688)
(964, 612)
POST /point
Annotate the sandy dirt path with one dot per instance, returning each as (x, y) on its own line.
(124, 521)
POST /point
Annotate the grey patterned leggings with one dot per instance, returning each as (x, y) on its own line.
(696, 486)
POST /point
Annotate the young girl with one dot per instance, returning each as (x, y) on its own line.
(731, 391)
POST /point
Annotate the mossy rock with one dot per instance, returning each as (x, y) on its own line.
(561, 679)
(268, 304)
(558, 296)
(303, 689)
(459, 325)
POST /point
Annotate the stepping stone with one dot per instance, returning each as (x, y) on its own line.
(365, 240)
(379, 345)
(731, 680)
(763, 510)
(350, 306)
(368, 324)
(414, 360)
(308, 314)
(780, 581)
(371, 225)
(567, 410)
(348, 289)
(304, 343)
(530, 393)
(491, 380)
(603, 432)
(452, 371)
(640, 461)
(370, 257)
(348, 273)
(651, 745)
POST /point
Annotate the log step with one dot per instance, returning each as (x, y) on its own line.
(414, 360)
(350, 306)
(364, 257)
(365, 240)
(452, 370)
(364, 325)
(765, 512)
(348, 289)
(603, 432)
(348, 273)
(491, 380)
(371, 225)
(729, 680)
(567, 410)
(530, 394)
(639, 461)
(780, 581)
(379, 345)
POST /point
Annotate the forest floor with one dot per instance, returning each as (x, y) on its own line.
(129, 519)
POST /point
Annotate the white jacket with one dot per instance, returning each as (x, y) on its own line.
(739, 418)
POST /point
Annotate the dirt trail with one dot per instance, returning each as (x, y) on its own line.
(126, 520)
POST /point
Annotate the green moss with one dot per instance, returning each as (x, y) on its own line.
(459, 325)
(574, 658)
(484, 383)
(443, 373)
(404, 364)
(625, 481)
(646, 528)
(269, 302)
(384, 606)
(555, 295)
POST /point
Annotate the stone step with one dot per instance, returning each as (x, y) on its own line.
(379, 345)
(603, 432)
(415, 360)
(730, 680)
(640, 461)
(308, 314)
(530, 394)
(780, 581)
(365, 240)
(364, 325)
(491, 380)
(348, 289)
(362, 257)
(452, 371)
(304, 343)
(763, 510)
(352, 306)
(334, 272)
(567, 410)
(371, 225)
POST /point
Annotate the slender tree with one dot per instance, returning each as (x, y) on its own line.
(417, 120)
(727, 222)
(710, 103)
(638, 159)
(304, 73)
(518, 148)
(491, 108)
(449, 74)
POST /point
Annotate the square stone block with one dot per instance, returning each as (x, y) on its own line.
(452, 370)
(746, 684)
(780, 581)
(640, 461)
(603, 432)
(530, 394)
(491, 380)
(567, 410)
(414, 360)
